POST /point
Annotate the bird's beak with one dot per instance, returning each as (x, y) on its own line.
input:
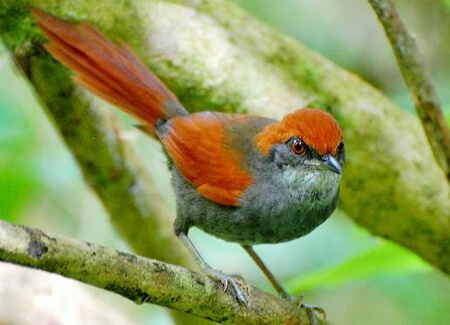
(331, 163)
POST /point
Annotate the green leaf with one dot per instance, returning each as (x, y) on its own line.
(386, 258)
(15, 191)
(17, 146)
(446, 3)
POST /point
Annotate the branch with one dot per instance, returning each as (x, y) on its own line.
(419, 83)
(140, 279)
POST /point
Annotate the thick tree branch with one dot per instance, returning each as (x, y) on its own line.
(142, 280)
(419, 83)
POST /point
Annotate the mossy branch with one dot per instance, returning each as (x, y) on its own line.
(419, 83)
(142, 280)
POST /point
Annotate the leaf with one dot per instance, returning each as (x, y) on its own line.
(446, 3)
(383, 259)
(17, 146)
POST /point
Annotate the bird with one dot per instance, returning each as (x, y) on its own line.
(244, 179)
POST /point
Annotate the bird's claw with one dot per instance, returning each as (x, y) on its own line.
(316, 309)
(224, 283)
(311, 310)
(227, 280)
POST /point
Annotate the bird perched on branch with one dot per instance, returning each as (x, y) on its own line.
(244, 179)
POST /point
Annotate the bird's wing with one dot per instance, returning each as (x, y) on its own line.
(198, 147)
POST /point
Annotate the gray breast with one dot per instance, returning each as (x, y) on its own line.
(291, 205)
(276, 210)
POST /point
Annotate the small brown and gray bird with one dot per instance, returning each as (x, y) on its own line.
(244, 179)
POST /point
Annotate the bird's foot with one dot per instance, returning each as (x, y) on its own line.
(227, 282)
(311, 310)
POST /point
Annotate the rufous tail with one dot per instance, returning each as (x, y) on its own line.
(112, 72)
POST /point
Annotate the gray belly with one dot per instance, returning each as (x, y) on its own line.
(269, 212)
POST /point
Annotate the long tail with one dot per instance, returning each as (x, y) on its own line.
(113, 73)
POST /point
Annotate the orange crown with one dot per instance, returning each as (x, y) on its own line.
(318, 129)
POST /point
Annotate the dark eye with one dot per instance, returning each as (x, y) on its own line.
(298, 147)
(340, 146)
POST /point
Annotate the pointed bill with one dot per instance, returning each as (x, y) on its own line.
(331, 163)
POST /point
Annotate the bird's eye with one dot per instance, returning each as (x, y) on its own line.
(340, 146)
(298, 147)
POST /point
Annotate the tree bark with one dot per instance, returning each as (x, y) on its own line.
(143, 280)
(419, 83)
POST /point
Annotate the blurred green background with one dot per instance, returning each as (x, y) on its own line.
(357, 278)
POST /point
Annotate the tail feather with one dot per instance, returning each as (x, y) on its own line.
(113, 73)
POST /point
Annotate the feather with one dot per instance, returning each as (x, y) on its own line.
(113, 73)
(318, 129)
(197, 146)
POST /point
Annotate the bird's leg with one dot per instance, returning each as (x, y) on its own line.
(224, 278)
(277, 285)
(281, 290)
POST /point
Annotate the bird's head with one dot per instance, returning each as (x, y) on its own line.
(307, 138)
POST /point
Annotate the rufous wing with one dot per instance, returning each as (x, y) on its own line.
(198, 147)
